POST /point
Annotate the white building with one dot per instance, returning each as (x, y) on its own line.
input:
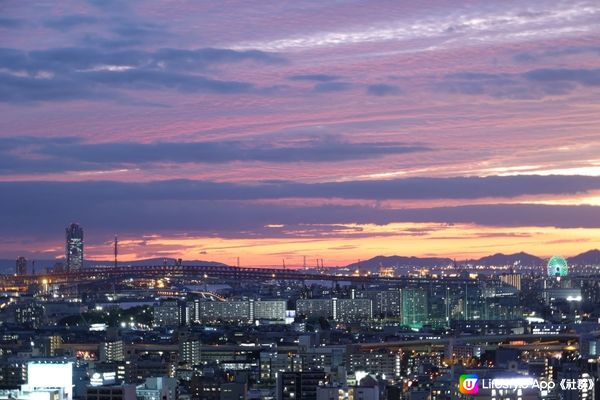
(159, 388)
(49, 377)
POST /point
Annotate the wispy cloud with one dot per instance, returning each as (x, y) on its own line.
(31, 154)
(532, 84)
(83, 73)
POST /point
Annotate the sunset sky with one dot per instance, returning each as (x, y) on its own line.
(270, 130)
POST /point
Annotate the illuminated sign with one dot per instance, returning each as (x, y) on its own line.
(98, 327)
(105, 378)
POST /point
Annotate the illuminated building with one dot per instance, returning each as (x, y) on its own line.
(170, 312)
(314, 358)
(512, 279)
(386, 303)
(315, 308)
(501, 303)
(190, 352)
(206, 387)
(374, 361)
(239, 310)
(48, 375)
(222, 310)
(414, 307)
(112, 351)
(29, 314)
(272, 363)
(21, 267)
(74, 247)
(565, 294)
(299, 385)
(51, 345)
(13, 373)
(343, 310)
(351, 310)
(268, 309)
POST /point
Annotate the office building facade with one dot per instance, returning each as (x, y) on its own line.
(74, 248)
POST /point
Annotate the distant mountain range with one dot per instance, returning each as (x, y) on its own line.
(399, 261)
(591, 257)
(508, 259)
(157, 261)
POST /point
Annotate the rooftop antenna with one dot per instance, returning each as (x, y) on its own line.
(116, 251)
(283, 263)
(322, 266)
(238, 262)
(305, 262)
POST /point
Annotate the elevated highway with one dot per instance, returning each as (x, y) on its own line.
(509, 340)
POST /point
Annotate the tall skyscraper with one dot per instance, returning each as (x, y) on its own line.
(74, 248)
(414, 307)
(21, 266)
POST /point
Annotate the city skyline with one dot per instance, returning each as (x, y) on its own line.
(336, 131)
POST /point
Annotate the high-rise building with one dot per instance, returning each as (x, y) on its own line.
(51, 345)
(238, 310)
(352, 310)
(374, 361)
(342, 310)
(74, 247)
(268, 309)
(189, 352)
(386, 303)
(315, 308)
(170, 312)
(112, 351)
(21, 266)
(511, 279)
(414, 307)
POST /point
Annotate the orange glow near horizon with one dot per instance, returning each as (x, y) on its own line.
(460, 241)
